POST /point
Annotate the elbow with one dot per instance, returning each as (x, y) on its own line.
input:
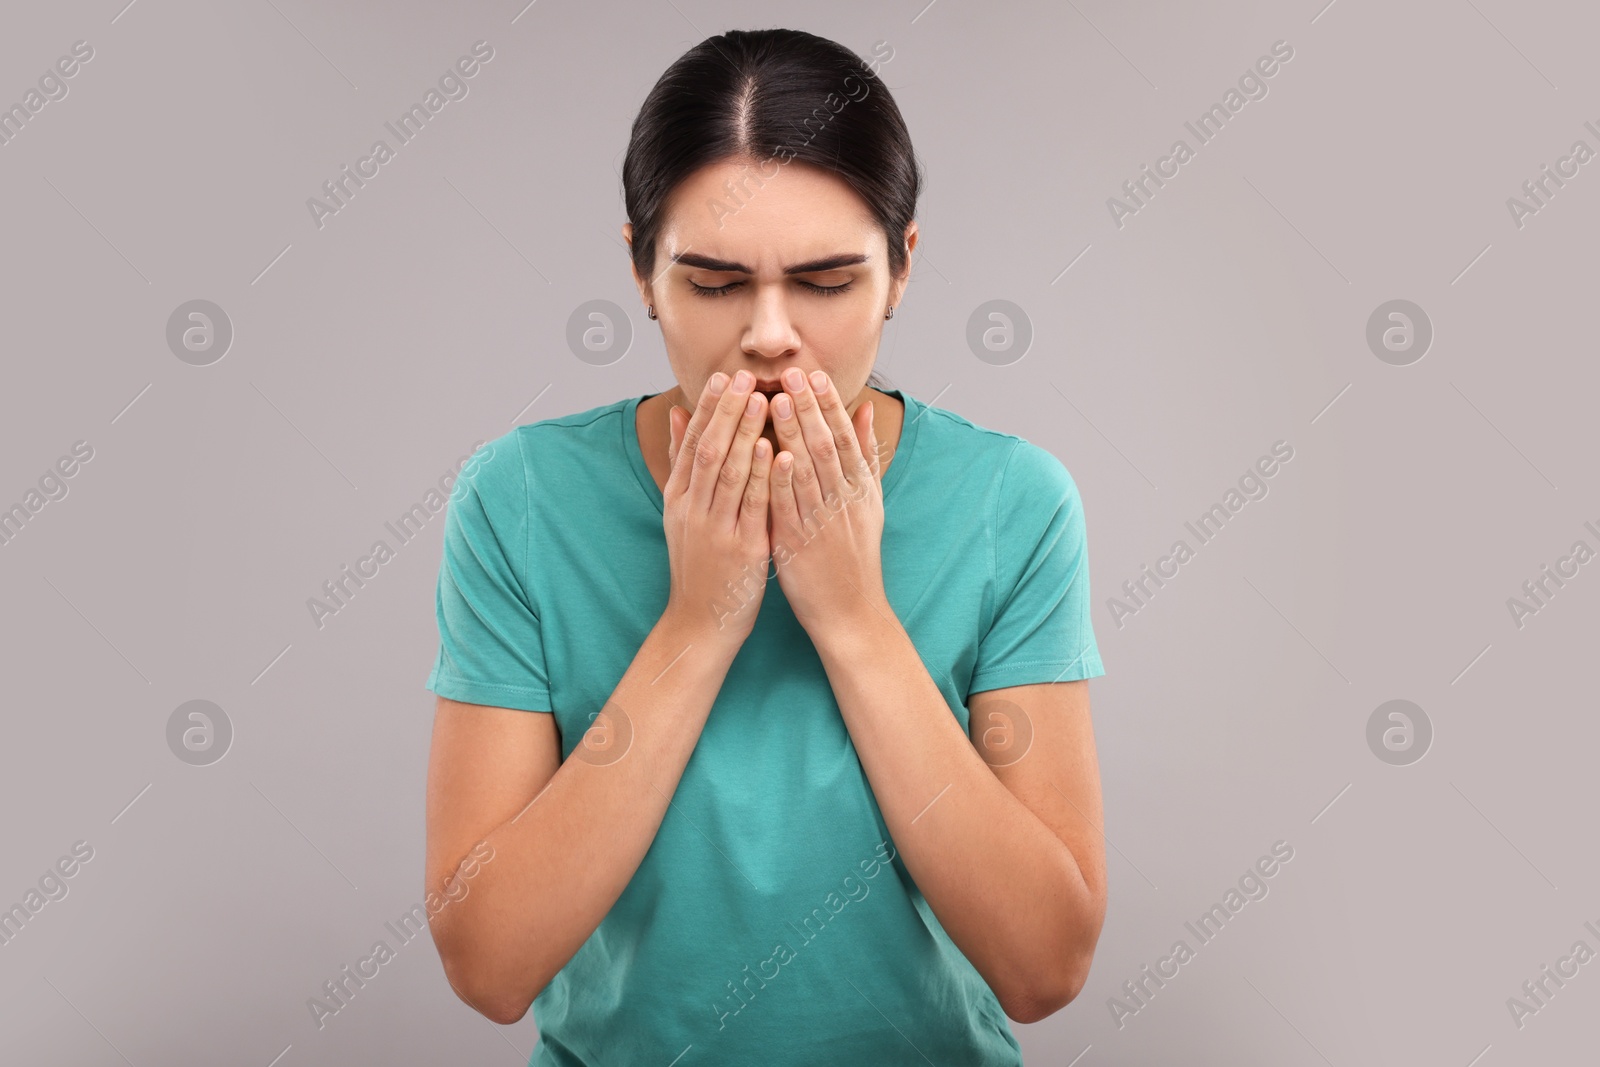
(1057, 979)
(1049, 993)
(489, 996)
(1034, 1008)
(493, 1003)
(504, 1012)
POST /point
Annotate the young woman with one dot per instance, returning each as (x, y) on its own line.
(765, 697)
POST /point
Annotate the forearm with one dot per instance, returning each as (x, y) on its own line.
(561, 862)
(1008, 892)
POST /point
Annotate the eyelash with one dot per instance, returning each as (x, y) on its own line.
(724, 290)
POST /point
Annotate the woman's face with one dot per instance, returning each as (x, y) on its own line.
(763, 274)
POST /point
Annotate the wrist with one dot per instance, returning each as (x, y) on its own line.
(863, 624)
(704, 628)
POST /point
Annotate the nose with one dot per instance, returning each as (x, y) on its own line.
(770, 333)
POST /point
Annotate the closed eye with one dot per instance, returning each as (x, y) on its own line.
(724, 290)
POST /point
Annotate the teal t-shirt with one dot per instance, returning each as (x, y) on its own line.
(772, 920)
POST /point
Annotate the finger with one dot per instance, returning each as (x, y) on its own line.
(824, 450)
(803, 475)
(680, 417)
(852, 460)
(868, 433)
(711, 451)
(757, 493)
(783, 509)
(675, 427)
(735, 472)
(678, 481)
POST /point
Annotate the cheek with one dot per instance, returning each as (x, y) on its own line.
(846, 348)
(697, 344)
(848, 332)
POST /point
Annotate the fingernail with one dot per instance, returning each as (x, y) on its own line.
(718, 383)
(819, 382)
(782, 405)
(743, 381)
(752, 405)
(794, 379)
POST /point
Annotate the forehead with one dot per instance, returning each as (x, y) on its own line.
(744, 212)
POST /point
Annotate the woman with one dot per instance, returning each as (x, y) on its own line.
(842, 807)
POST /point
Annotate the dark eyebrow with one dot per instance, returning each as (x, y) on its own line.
(843, 259)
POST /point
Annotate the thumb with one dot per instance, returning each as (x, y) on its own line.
(877, 452)
(674, 435)
(872, 429)
(869, 438)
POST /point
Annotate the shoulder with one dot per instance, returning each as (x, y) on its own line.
(509, 466)
(1016, 468)
(601, 419)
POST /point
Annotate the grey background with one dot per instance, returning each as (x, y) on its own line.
(1229, 313)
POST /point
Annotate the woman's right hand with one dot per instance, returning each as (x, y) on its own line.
(715, 509)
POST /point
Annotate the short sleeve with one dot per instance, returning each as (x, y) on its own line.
(1041, 630)
(490, 646)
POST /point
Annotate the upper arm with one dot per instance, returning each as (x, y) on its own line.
(485, 766)
(1040, 628)
(1039, 741)
(491, 641)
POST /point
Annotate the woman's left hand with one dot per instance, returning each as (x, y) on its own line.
(826, 510)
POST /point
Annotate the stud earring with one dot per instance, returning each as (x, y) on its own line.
(650, 311)
(890, 313)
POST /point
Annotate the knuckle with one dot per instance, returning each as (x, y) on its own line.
(706, 453)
